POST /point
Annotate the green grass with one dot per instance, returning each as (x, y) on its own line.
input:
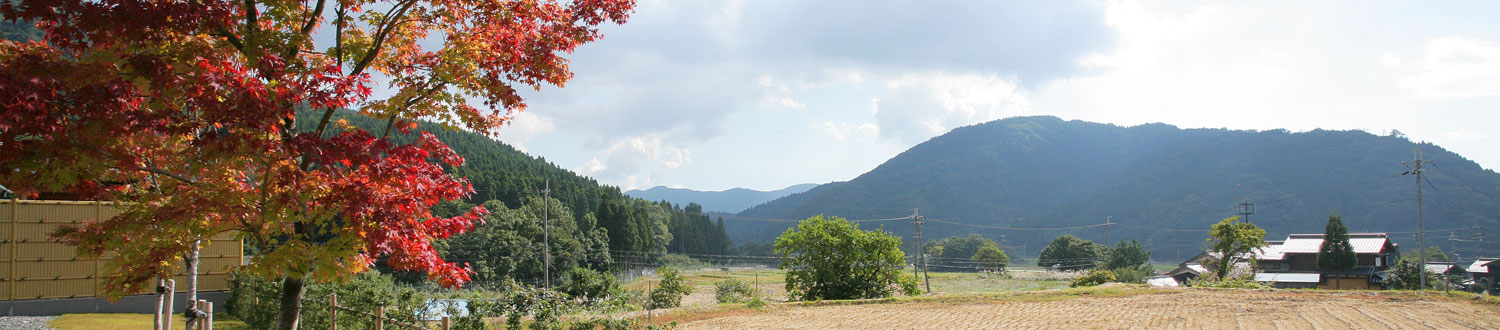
(133, 321)
(985, 283)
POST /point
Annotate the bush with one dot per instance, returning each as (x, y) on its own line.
(1132, 274)
(589, 284)
(1406, 274)
(670, 290)
(1227, 283)
(756, 303)
(732, 291)
(682, 262)
(256, 301)
(513, 304)
(831, 258)
(1095, 277)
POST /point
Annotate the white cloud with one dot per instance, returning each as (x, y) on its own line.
(1391, 59)
(626, 159)
(1457, 67)
(922, 105)
(523, 127)
(789, 103)
(845, 131)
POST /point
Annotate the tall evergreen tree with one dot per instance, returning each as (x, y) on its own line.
(1336, 253)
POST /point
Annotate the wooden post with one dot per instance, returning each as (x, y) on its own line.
(446, 323)
(15, 217)
(166, 316)
(333, 311)
(161, 298)
(199, 305)
(208, 308)
(98, 217)
(379, 317)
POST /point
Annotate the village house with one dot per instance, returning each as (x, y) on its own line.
(1484, 271)
(1293, 263)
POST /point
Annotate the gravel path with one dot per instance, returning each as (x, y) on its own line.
(25, 322)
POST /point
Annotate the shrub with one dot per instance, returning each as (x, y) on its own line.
(670, 290)
(589, 284)
(1132, 274)
(682, 262)
(1095, 277)
(1228, 283)
(256, 301)
(732, 291)
(831, 258)
(1406, 274)
(513, 304)
(756, 303)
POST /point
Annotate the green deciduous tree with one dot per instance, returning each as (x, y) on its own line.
(668, 293)
(991, 258)
(955, 248)
(1232, 241)
(1406, 275)
(1336, 253)
(1070, 253)
(589, 284)
(831, 258)
(509, 244)
(1129, 254)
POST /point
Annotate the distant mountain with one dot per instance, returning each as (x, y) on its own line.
(726, 201)
(1159, 184)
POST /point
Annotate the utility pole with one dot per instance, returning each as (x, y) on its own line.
(1416, 169)
(546, 234)
(916, 220)
(1107, 224)
(1246, 209)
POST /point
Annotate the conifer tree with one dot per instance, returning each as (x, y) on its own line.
(1336, 253)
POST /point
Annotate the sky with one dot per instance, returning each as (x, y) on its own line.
(764, 94)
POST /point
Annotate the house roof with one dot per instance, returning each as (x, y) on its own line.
(1442, 267)
(1365, 243)
(1288, 277)
(1188, 269)
(1162, 281)
(1481, 266)
(1272, 251)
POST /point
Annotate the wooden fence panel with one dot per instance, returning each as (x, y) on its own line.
(38, 266)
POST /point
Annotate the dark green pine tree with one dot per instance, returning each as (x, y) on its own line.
(1336, 253)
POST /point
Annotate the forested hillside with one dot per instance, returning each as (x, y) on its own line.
(509, 183)
(1158, 183)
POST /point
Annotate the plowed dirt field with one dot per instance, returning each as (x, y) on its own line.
(1171, 309)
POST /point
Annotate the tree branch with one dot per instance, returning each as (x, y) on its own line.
(306, 30)
(252, 21)
(386, 25)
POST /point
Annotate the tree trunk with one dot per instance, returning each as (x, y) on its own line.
(291, 303)
(192, 287)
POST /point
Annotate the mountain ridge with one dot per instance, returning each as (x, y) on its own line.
(1160, 184)
(723, 201)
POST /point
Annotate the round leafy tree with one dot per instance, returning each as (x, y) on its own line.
(1068, 252)
(831, 258)
(991, 257)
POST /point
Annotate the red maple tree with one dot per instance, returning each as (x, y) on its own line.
(187, 110)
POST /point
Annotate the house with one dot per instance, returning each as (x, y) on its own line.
(1197, 265)
(1298, 254)
(1446, 268)
(1293, 263)
(1485, 271)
